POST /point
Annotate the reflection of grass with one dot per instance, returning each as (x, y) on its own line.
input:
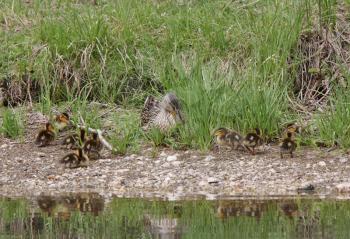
(134, 218)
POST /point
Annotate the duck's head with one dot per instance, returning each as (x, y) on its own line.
(171, 105)
(293, 128)
(63, 118)
(220, 132)
(49, 127)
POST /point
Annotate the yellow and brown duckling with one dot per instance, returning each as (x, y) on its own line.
(74, 141)
(292, 128)
(93, 146)
(226, 137)
(288, 145)
(75, 159)
(61, 121)
(253, 140)
(45, 136)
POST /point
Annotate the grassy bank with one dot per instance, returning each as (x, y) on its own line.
(229, 61)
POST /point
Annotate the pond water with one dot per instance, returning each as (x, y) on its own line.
(88, 215)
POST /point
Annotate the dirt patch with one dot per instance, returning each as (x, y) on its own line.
(27, 170)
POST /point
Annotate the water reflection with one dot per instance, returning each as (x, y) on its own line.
(255, 208)
(85, 215)
(62, 206)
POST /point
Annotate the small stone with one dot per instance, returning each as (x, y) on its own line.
(202, 183)
(272, 171)
(343, 160)
(180, 189)
(212, 180)
(306, 188)
(209, 158)
(171, 158)
(322, 164)
(162, 154)
(176, 163)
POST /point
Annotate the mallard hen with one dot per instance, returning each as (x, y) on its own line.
(163, 115)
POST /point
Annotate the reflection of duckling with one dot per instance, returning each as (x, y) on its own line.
(93, 147)
(74, 141)
(226, 137)
(253, 140)
(75, 159)
(45, 136)
(288, 145)
(61, 121)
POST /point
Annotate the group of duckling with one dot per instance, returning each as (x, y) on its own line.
(84, 148)
(233, 139)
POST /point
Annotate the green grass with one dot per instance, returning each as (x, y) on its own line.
(228, 61)
(126, 135)
(334, 124)
(12, 125)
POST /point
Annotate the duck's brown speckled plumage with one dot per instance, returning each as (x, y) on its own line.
(162, 115)
(230, 138)
(45, 136)
(92, 147)
(288, 145)
(74, 141)
(75, 159)
(253, 140)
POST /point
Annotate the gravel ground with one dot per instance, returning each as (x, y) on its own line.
(27, 170)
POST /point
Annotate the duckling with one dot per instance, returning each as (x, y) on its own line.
(74, 141)
(292, 128)
(226, 137)
(62, 121)
(253, 140)
(93, 147)
(75, 159)
(45, 136)
(288, 145)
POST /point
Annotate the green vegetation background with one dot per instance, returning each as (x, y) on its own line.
(228, 61)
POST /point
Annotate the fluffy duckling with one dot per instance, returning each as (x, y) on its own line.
(74, 141)
(288, 145)
(292, 128)
(61, 121)
(45, 136)
(226, 137)
(93, 147)
(75, 159)
(253, 140)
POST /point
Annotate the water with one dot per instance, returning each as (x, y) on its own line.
(88, 215)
